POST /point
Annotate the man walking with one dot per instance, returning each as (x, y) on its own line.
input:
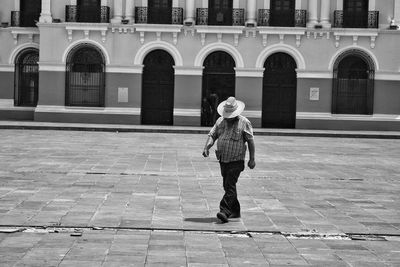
(232, 131)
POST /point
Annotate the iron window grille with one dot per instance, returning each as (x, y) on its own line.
(264, 18)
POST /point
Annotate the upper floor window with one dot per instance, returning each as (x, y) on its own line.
(30, 12)
(355, 14)
(160, 11)
(220, 12)
(282, 13)
(89, 11)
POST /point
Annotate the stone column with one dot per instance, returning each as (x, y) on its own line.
(325, 14)
(45, 15)
(16, 5)
(190, 12)
(117, 12)
(251, 11)
(396, 12)
(130, 10)
(312, 13)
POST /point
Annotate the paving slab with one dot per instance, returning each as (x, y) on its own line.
(153, 198)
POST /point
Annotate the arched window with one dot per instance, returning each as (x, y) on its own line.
(218, 84)
(30, 12)
(85, 77)
(26, 78)
(353, 84)
(89, 11)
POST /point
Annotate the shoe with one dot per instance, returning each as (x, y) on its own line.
(222, 216)
(234, 215)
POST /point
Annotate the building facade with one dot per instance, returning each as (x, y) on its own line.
(307, 64)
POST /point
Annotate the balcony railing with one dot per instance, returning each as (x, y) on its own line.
(237, 16)
(141, 15)
(264, 18)
(71, 14)
(15, 18)
(372, 20)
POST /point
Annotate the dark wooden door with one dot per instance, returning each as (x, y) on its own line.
(89, 11)
(159, 11)
(351, 90)
(27, 79)
(30, 12)
(355, 14)
(282, 13)
(158, 89)
(218, 84)
(220, 12)
(279, 92)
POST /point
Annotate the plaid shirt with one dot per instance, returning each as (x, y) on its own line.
(231, 144)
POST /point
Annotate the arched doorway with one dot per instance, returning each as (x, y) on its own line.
(353, 84)
(26, 78)
(85, 77)
(30, 12)
(158, 88)
(279, 92)
(218, 84)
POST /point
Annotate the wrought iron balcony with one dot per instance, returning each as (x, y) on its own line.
(71, 14)
(15, 18)
(264, 18)
(141, 15)
(372, 21)
(237, 16)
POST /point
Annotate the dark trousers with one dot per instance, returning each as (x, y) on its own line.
(230, 173)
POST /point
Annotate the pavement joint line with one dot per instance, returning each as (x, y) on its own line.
(249, 233)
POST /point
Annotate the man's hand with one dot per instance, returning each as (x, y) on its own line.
(251, 164)
(206, 152)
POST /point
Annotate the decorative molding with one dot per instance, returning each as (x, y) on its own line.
(30, 32)
(252, 113)
(219, 46)
(309, 74)
(84, 110)
(86, 30)
(219, 31)
(51, 66)
(6, 68)
(298, 57)
(355, 34)
(346, 117)
(387, 76)
(186, 112)
(282, 33)
(122, 28)
(135, 69)
(83, 41)
(192, 71)
(249, 72)
(144, 50)
(20, 48)
(343, 50)
(158, 30)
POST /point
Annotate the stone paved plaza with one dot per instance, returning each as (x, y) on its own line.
(82, 198)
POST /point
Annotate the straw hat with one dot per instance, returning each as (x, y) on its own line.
(230, 108)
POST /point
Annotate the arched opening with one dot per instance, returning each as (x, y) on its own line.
(355, 13)
(89, 11)
(85, 77)
(282, 13)
(30, 12)
(218, 84)
(26, 78)
(158, 88)
(279, 92)
(159, 12)
(220, 12)
(353, 85)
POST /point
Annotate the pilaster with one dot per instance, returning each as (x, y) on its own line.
(117, 13)
(312, 13)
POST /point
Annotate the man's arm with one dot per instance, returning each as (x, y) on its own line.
(252, 151)
(208, 145)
